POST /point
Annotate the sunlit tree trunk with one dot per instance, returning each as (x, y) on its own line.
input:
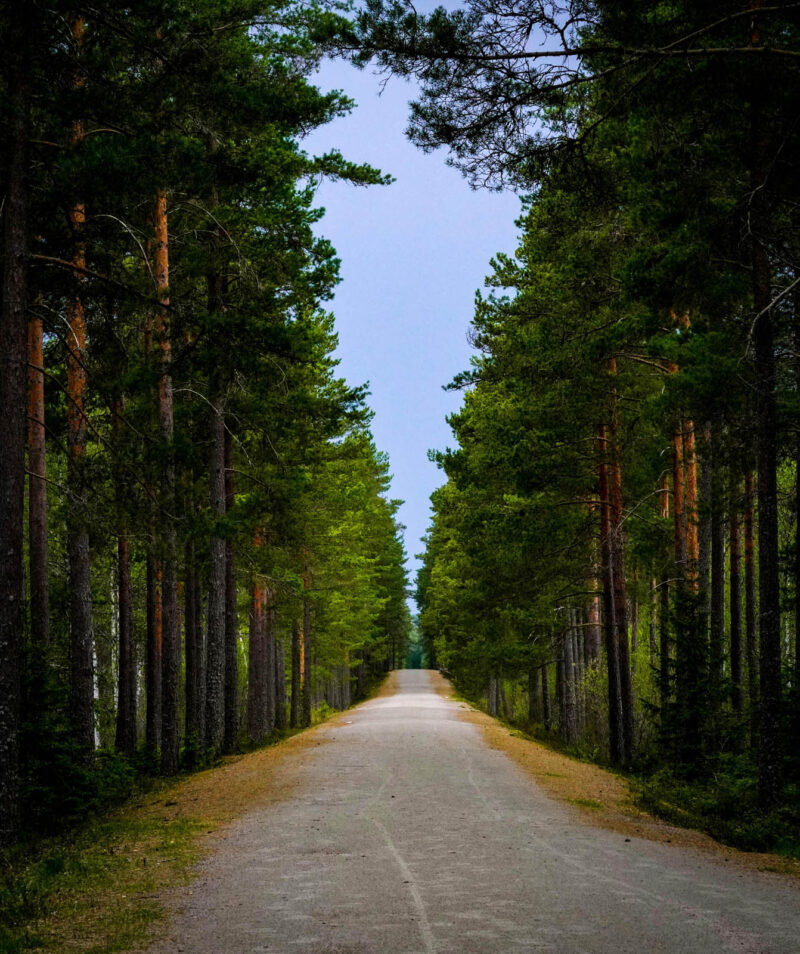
(171, 643)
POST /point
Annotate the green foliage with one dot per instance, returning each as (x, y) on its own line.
(725, 805)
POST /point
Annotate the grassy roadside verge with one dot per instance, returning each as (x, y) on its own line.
(664, 812)
(98, 888)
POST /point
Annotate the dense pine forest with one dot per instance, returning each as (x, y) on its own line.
(198, 549)
(614, 558)
(197, 546)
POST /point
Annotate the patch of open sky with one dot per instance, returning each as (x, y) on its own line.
(413, 254)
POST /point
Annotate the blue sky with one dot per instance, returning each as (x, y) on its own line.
(413, 255)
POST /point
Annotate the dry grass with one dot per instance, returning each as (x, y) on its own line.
(600, 797)
(114, 876)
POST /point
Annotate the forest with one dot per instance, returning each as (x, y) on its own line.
(198, 550)
(614, 559)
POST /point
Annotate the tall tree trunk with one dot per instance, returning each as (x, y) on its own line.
(594, 633)
(750, 635)
(707, 492)
(547, 717)
(215, 646)
(125, 739)
(152, 675)
(717, 594)
(81, 634)
(770, 761)
(170, 632)
(125, 734)
(796, 670)
(270, 653)
(280, 685)
(618, 579)
(534, 696)
(294, 706)
(193, 640)
(493, 697)
(679, 501)
(231, 617)
(37, 493)
(13, 380)
(256, 675)
(570, 730)
(104, 677)
(736, 604)
(690, 502)
(561, 698)
(615, 730)
(307, 659)
(664, 680)
(653, 634)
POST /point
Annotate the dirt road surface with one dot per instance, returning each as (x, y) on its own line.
(406, 833)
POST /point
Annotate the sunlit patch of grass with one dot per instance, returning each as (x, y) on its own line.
(586, 803)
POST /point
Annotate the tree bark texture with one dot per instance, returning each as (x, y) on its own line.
(735, 594)
(307, 658)
(231, 617)
(770, 750)
(37, 492)
(152, 674)
(615, 731)
(257, 665)
(171, 641)
(547, 717)
(13, 382)
(125, 739)
(215, 643)
(280, 684)
(750, 630)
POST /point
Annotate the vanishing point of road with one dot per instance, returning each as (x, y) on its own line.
(409, 834)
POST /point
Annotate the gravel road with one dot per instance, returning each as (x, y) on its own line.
(408, 834)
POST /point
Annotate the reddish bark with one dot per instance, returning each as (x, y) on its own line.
(37, 491)
(81, 635)
(170, 645)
